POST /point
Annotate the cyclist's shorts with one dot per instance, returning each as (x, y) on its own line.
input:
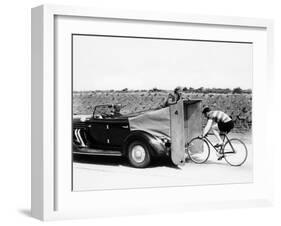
(226, 126)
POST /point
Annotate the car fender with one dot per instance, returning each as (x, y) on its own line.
(155, 144)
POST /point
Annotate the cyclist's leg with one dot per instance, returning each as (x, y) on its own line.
(226, 127)
(215, 130)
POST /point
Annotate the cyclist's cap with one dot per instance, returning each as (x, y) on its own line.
(206, 110)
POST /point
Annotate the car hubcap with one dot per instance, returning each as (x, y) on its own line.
(138, 153)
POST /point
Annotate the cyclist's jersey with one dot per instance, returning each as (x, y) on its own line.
(218, 116)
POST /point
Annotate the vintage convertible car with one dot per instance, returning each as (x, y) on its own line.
(133, 136)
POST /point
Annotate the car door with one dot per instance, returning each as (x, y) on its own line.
(118, 130)
(98, 133)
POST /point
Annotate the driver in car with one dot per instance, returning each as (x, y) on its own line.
(116, 111)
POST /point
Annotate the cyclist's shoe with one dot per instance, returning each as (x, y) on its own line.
(186, 157)
(218, 145)
(220, 157)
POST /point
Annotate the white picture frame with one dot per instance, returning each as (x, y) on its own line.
(52, 197)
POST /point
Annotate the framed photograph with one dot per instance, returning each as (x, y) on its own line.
(137, 112)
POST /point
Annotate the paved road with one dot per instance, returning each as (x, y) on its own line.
(93, 172)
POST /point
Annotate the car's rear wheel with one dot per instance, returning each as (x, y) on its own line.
(138, 154)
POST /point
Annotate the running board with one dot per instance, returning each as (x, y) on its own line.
(98, 152)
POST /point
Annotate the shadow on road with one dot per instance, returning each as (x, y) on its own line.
(221, 163)
(209, 162)
(117, 161)
(100, 160)
(25, 212)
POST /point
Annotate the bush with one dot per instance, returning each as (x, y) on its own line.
(155, 90)
(125, 90)
(237, 90)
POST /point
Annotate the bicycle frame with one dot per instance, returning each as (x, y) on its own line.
(221, 149)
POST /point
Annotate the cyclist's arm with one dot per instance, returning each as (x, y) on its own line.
(207, 127)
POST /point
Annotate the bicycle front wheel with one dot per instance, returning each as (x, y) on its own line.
(198, 150)
(235, 152)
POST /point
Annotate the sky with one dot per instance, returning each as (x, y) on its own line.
(104, 63)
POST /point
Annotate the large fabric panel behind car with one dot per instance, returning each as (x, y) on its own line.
(155, 122)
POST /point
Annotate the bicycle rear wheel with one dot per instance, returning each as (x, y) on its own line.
(198, 150)
(235, 152)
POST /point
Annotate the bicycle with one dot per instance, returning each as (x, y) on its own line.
(234, 151)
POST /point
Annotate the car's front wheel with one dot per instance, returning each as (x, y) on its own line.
(138, 154)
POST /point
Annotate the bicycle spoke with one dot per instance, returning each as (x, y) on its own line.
(235, 152)
(198, 150)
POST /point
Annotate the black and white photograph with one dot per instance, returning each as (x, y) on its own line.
(153, 112)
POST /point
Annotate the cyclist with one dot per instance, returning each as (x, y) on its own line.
(218, 121)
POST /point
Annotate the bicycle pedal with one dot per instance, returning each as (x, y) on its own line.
(221, 157)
